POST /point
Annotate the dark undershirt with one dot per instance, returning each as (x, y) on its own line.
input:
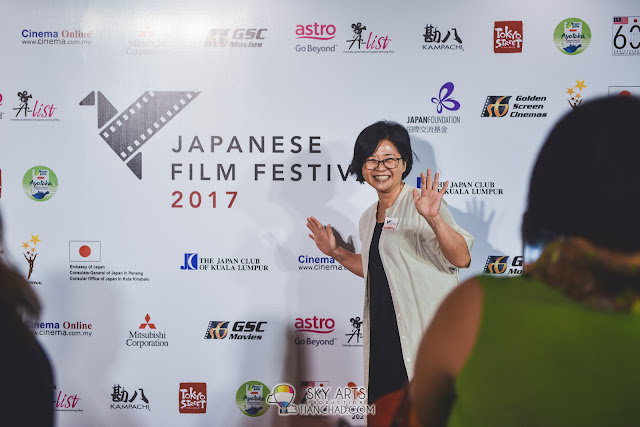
(386, 365)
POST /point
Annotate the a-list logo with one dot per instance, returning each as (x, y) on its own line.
(66, 401)
(499, 264)
(355, 336)
(364, 41)
(32, 109)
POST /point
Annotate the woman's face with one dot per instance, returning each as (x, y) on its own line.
(384, 180)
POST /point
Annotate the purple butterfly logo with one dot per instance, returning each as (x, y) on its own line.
(444, 100)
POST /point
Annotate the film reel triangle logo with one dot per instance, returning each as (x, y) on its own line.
(128, 131)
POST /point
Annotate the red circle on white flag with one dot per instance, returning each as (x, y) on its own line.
(85, 251)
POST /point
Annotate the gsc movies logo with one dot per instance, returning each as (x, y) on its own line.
(241, 330)
(240, 37)
(145, 117)
(498, 264)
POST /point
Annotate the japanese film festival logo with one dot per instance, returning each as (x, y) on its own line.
(145, 117)
(30, 253)
(575, 94)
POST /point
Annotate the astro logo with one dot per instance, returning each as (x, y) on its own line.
(190, 262)
(497, 264)
(496, 106)
(217, 330)
(315, 324)
(145, 117)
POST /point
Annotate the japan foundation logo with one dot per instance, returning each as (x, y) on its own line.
(127, 132)
(444, 104)
(525, 106)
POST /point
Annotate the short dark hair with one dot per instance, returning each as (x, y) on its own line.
(368, 141)
(585, 181)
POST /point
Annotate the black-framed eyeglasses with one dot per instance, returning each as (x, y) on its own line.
(389, 163)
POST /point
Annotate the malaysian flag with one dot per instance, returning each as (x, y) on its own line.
(621, 20)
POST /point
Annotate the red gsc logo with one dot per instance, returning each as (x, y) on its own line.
(497, 264)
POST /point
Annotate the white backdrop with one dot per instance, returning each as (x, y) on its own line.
(322, 91)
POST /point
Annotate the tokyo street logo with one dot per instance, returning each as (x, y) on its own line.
(127, 132)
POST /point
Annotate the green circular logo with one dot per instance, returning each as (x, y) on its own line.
(40, 183)
(251, 398)
(572, 36)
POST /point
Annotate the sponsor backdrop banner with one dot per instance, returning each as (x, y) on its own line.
(158, 163)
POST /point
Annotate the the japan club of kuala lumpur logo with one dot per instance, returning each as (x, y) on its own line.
(40, 183)
(572, 36)
(127, 132)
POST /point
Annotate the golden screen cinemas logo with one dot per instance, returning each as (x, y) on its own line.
(147, 338)
(317, 34)
(127, 132)
(499, 264)
(238, 37)
(523, 107)
(314, 325)
(241, 330)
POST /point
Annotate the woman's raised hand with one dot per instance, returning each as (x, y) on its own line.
(323, 236)
(428, 199)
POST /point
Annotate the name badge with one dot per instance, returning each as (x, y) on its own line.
(390, 223)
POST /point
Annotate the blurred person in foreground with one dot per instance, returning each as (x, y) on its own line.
(560, 345)
(412, 249)
(26, 380)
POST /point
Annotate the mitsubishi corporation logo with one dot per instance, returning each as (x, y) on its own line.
(127, 132)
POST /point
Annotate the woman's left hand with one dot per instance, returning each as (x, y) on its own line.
(428, 199)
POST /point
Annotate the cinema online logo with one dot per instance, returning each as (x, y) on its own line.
(65, 401)
(364, 41)
(316, 35)
(499, 264)
(572, 36)
(435, 39)
(69, 329)
(147, 335)
(575, 94)
(64, 37)
(145, 117)
(251, 398)
(122, 399)
(193, 262)
(626, 36)
(32, 109)
(312, 263)
(236, 37)
(445, 103)
(241, 330)
(192, 398)
(507, 37)
(525, 106)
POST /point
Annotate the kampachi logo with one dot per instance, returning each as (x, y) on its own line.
(507, 37)
(496, 106)
(30, 252)
(575, 94)
(316, 31)
(367, 42)
(192, 398)
(121, 400)
(433, 39)
(144, 118)
(30, 109)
